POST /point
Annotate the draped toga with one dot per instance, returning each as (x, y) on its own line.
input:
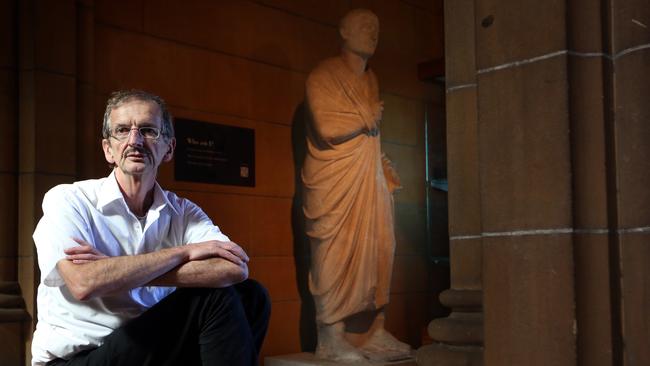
(347, 203)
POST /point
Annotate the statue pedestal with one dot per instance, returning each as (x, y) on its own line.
(308, 359)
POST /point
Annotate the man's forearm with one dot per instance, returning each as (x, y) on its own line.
(115, 274)
(212, 272)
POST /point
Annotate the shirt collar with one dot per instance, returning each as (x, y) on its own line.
(160, 199)
(110, 192)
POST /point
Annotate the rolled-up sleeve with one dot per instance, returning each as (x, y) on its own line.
(198, 226)
(62, 220)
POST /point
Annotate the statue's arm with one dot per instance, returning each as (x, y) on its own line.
(335, 119)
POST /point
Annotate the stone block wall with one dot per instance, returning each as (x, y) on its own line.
(548, 201)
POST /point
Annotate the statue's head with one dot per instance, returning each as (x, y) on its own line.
(359, 30)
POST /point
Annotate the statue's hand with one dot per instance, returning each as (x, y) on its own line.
(378, 111)
(392, 178)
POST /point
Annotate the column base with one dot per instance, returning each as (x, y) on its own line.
(458, 338)
(308, 359)
(439, 354)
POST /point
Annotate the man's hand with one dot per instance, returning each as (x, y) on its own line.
(210, 263)
(217, 249)
(83, 253)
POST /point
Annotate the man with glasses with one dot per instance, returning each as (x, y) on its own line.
(112, 252)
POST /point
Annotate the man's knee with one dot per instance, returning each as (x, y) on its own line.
(249, 296)
(254, 294)
(254, 289)
(249, 292)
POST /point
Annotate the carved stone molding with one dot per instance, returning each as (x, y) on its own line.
(458, 337)
(12, 305)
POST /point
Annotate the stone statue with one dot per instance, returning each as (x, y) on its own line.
(348, 204)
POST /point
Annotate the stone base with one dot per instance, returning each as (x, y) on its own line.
(308, 359)
(437, 354)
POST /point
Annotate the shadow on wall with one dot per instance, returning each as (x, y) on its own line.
(301, 248)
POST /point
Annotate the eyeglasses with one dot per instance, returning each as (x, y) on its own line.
(122, 133)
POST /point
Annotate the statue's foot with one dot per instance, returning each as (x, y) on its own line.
(383, 346)
(338, 350)
(333, 346)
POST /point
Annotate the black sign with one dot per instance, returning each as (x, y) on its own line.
(214, 153)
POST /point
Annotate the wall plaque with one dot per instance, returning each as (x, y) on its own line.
(214, 153)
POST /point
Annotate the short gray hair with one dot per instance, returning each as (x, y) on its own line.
(120, 97)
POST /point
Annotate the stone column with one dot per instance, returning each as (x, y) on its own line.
(588, 80)
(8, 139)
(459, 337)
(526, 187)
(47, 123)
(613, 215)
(560, 160)
(510, 186)
(12, 308)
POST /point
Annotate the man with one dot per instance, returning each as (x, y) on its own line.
(348, 204)
(111, 252)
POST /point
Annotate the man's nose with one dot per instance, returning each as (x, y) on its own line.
(135, 137)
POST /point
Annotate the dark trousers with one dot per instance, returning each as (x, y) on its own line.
(191, 326)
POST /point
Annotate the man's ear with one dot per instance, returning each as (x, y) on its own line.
(108, 154)
(344, 33)
(170, 152)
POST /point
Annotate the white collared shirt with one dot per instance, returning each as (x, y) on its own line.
(95, 211)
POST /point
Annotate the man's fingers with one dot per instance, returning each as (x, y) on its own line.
(236, 250)
(215, 248)
(229, 256)
(80, 256)
(81, 242)
(88, 257)
(79, 249)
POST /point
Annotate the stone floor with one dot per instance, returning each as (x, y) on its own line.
(308, 359)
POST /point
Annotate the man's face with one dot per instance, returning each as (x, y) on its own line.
(136, 155)
(361, 35)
